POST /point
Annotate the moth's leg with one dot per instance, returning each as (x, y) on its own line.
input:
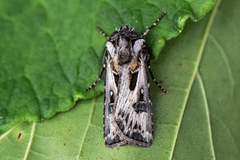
(156, 81)
(99, 77)
(154, 24)
(101, 31)
(95, 83)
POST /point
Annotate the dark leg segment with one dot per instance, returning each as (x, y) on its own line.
(95, 83)
(156, 81)
(99, 77)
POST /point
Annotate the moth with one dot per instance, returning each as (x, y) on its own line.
(127, 104)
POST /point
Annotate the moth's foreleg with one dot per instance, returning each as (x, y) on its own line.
(156, 81)
(154, 24)
(95, 83)
(101, 31)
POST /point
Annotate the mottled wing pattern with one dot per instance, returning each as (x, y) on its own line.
(127, 104)
(111, 129)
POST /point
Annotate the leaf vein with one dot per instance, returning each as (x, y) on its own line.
(227, 129)
(88, 125)
(30, 140)
(207, 113)
(205, 36)
(9, 131)
(223, 54)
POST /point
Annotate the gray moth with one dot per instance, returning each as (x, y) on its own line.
(127, 111)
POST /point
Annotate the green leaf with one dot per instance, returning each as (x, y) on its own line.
(55, 49)
(50, 50)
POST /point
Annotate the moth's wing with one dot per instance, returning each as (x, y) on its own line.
(133, 112)
(111, 131)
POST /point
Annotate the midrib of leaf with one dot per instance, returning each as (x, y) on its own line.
(207, 113)
(30, 140)
(206, 33)
(85, 133)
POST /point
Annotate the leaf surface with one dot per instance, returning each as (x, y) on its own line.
(51, 52)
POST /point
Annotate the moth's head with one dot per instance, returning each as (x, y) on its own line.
(125, 27)
(124, 32)
(127, 32)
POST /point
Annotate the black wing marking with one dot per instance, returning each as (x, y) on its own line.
(127, 106)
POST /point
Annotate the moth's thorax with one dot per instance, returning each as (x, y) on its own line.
(124, 46)
(123, 42)
(124, 51)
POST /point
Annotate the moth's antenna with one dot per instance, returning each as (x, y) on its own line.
(101, 31)
(100, 73)
(154, 24)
